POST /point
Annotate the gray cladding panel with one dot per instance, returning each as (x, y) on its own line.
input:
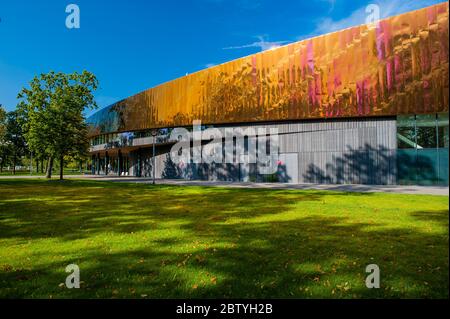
(357, 151)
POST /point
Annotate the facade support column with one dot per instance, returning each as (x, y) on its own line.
(98, 164)
(138, 173)
(106, 163)
(119, 162)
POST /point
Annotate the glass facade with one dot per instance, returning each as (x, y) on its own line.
(111, 164)
(113, 140)
(117, 140)
(422, 155)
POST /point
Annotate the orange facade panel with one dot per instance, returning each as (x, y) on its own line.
(398, 66)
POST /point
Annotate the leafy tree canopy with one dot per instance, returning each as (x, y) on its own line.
(51, 113)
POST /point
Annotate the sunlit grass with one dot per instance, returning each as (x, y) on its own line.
(136, 240)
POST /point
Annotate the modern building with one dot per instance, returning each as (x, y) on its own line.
(365, 105)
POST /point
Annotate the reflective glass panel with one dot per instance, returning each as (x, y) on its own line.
(426, 131)
(443, 130)
(406, 136)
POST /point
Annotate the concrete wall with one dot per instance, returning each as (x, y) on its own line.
(357, 151)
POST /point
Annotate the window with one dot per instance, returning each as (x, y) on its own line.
(406, 132)
(442, 122)
(246, 145)
(426, 131)
(422, 155)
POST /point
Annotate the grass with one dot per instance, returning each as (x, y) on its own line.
(21, 173)
(34, 173)
(144, 241)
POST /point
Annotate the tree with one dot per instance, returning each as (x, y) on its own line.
(14, 140)
(3, 142)
(2, 122)
(52, 115)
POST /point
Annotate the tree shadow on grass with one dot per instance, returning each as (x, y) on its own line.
(440, 216)
(306, 258)
(74, 210)
(212, 243)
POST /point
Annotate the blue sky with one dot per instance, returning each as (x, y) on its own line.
(132, 45)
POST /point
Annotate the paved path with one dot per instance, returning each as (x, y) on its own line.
(401, 189)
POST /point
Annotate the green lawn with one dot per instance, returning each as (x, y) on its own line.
(10, 173)
(144, 241)
(54, 173)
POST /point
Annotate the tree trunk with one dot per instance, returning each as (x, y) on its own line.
(37, 165)
(61, 167)
(49, 167)
(42, 165)
(14, 164)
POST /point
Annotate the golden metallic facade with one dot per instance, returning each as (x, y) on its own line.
(399, 66)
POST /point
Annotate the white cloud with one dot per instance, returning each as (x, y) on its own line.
(387, 8)
(209, 65)
(262, 44)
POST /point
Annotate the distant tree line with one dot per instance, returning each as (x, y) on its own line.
(12, 141)
(48, 123)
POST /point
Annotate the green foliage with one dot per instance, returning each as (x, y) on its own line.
(2, 123)
(272, 178)
(3, 144)
(12, 140)
(51, 112)
(14, 133)
(141, 241)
